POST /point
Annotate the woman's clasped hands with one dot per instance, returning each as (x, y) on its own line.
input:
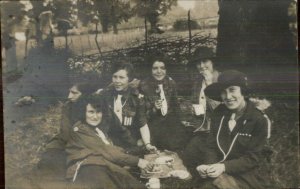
(212, 171)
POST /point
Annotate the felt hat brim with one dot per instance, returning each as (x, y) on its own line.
(214, 90)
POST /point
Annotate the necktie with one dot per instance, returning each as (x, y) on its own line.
(232, 122)
(164, 107)
(102, 136)
(118, 107)
(202, 99)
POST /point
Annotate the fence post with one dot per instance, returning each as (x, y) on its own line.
(98, 47)
(146, 33)
(88, 36)
(81, 45)
(190, 32)
(26, 42)
(66, 40)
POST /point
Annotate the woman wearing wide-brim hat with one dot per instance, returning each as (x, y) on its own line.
(204, 60)
(238, 136)
(198, 121)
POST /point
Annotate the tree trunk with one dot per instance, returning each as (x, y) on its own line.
(11, 56)
(153, 19)
(253, 32)
(38, 33)
(104, 24)
(153, 25)
(146, 33)
(26, 43)
(66, 39)
(190, 32)
(96, 36)
(114, 20)
(115, 28)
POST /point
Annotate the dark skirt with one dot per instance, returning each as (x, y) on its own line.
(194, 152)
(167, 133)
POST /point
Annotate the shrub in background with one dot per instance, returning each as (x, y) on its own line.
(181, 25)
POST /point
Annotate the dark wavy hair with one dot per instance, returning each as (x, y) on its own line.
(124, 66)
(156, 57)
(85, 88)
(94, 100)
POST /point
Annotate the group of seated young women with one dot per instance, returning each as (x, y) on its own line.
(104, 135)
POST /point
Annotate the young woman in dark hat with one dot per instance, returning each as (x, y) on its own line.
(238, 136)
(204, 59)
(199, 122)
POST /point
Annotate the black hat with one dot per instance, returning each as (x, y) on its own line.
(226, 79)
(202, 53)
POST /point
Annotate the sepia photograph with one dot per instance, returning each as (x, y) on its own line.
(149, 94)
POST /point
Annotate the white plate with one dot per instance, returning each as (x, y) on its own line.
(164, 160)
(181, 174)
(155, 172)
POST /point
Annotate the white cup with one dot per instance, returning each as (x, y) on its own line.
(153, 183)
(199, 109)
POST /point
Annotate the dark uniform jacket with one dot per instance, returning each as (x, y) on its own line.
(67, 121)
(242, 149)
(134, 108)
(84, 146)
(166, 131)
(149, 88)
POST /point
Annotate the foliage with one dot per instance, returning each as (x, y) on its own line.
(151, 10)
(284, 166)
(153, 7)
(140, 54)
(65, 9)
(85, 65)
(42, 14)
(174, 14)
(181, 25)
(107, 12)
(12, 15)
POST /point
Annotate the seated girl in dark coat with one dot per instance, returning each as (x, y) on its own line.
(126, 109)
(92, 160)
(162, 108)
(52, 163)
(238, 137)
